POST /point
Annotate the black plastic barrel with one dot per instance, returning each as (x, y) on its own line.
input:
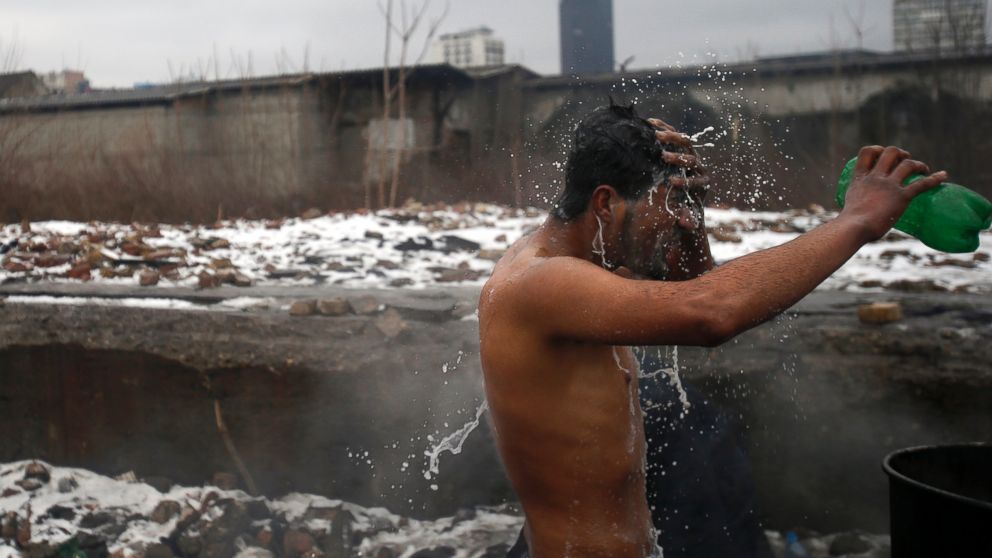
(940, 501)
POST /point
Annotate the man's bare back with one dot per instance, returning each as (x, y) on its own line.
(559, 310)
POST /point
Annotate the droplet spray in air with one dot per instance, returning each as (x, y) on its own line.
(451, 443)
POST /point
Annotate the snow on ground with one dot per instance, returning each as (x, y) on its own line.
(60, 506)
(413, 247)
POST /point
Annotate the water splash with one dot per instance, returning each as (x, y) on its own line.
(694, 138)
(674, 379)
(598, 245)
(634, 416)
(452, 443)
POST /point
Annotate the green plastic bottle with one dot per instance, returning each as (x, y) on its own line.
(947, 218)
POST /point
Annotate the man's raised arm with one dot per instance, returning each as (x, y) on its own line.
(572, 299)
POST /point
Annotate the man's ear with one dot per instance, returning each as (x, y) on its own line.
(604, 202)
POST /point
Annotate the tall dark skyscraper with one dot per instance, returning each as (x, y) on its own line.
(586, 36)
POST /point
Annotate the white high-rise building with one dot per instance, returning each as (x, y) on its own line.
(469, 49)
(956, 25)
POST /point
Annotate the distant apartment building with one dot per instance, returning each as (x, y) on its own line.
(66, 82)
(469, 49)
(940, 24)
(586, 36)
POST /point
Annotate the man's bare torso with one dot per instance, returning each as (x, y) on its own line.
(567, 423)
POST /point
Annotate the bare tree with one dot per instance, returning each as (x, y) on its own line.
(403, 29)
(11, 53)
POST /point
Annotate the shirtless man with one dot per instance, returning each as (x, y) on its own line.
(561, 308)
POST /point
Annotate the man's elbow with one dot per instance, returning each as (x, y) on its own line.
(720, 324)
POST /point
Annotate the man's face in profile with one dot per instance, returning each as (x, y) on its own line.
(654, 228)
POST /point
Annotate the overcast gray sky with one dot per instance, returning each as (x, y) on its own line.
(120, 42)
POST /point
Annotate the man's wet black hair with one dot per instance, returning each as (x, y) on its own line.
(614, 146)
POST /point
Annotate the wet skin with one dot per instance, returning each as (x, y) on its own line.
(562, 306)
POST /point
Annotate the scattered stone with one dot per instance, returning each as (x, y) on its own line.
(67, 485)
(981, 257)
(275, 225)
(264, 537)
(501, 238)
(850, 543)
(219, 539)
(8, 525)
(917, 286)
(226, 276)
(401, 282)
(374, 235)
(8, 492)
(458, 275)
(242, 280)
(61, 512)
(225, 481)
(303, 308)
(96, 519)
(311, 213)
(295, 542)
(496, 551)
(880, 313)
(80, 271)
(158, 550)
(339, 267)
(725, 234)
(387, 264)
(333, 307)
(127, 476)
(258, 509)
(67, 247)
(17, 267)
(390, 323)
(30, 485)
(411, 245)
(148, 278)
(954, 262)
(287, 273)
(492, 255)
(165, 510)
(190, 544)
(220, 243)
(220, 263)
(208, 280)
(454, 243)
(160, 254)
(52, 260)
(133, 248)
(364, 305)
(438, 552)
(35, 470)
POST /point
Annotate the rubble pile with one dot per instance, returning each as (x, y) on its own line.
(61, 512)
(58, 512)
